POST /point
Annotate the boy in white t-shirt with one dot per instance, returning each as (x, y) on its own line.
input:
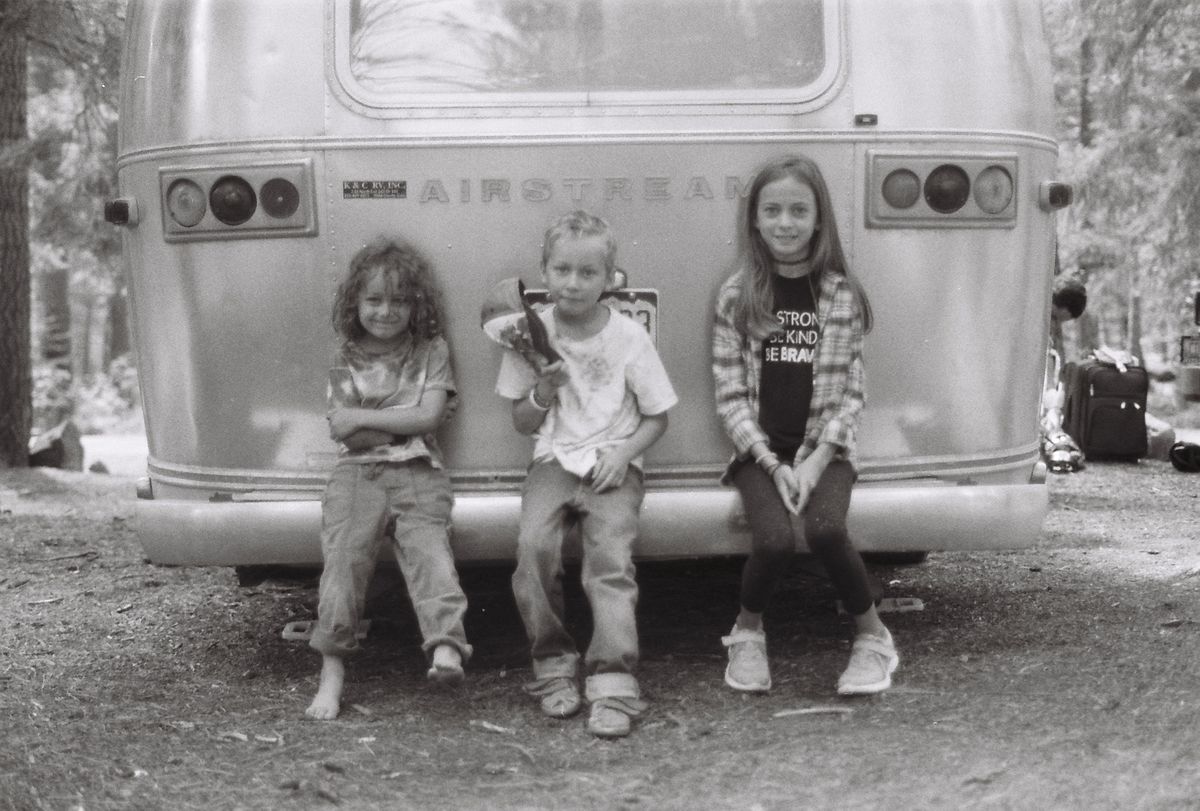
(592, 414)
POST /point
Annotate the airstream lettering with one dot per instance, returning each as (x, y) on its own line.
(576, 190)
(465, 126)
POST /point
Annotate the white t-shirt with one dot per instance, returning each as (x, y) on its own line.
(616, 377)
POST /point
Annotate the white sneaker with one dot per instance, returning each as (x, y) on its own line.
(873, 660)
(748, 669)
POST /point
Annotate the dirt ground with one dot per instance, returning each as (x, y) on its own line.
(1062, 676)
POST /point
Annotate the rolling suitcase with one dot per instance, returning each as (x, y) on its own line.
(1105, 409)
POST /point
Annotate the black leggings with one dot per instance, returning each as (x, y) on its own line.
(776, 535)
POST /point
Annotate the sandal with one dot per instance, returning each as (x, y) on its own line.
(1185, 456)
(612, 716)
(559, 695)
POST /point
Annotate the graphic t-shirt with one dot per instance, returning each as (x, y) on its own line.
(395, 379)
(615, 377)
(785, 389)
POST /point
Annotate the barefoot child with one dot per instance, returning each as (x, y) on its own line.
(388, 393)
(592, 414)
(787, 362)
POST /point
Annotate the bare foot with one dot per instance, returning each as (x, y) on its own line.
(328, 700)
(446, 666)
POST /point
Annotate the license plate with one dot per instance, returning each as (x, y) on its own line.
(638, 303)
(1189, 350)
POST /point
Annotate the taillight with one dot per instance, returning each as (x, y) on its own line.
(269, 200)
(186, 203)
(941, 190)
(280, 198)
(233, 200)
(901, 188)
(947, 188)
(993, 189)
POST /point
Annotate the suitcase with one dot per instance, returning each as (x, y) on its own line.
(1105, 409)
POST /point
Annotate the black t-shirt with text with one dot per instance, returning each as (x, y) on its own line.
(786, 386)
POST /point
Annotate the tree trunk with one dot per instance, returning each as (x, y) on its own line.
(54, 286)
(16, 386)
(1134, 346)
(1086, 65)
(118, 327)
(1088, 332)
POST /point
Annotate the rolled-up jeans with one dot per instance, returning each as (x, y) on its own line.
(551, 499)
(359, 503)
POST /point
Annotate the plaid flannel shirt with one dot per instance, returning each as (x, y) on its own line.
(838, 380)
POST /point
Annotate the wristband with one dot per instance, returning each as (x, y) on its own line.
(772, 467)
(536, 403)
(768, 462)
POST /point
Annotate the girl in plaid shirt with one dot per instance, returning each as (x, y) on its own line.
(787, 361)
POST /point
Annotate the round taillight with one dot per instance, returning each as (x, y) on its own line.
(993, 189)
(947, 188)
(901, 188)
(280, 198)
(232, 200)
(185, 203)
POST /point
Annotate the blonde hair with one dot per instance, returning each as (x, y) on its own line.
(581, 224)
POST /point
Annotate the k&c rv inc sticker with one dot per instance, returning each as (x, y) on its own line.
(374, 189)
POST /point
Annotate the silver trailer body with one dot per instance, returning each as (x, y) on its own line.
(471, 160)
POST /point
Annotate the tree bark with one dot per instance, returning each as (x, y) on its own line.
(118, 327)
(16, 386)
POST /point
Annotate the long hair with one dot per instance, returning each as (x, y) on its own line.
(755, 312)
(416, 279)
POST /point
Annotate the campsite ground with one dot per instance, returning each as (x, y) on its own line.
(1061, 676)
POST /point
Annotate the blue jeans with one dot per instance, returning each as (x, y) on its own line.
(550, 499)
(360, 500)
(776, 535)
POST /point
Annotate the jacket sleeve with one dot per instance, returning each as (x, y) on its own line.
(735, 406)
(841, 421)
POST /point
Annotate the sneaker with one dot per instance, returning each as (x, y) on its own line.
(873, 660)
(612, 716)
(558, 696)
(748, 669)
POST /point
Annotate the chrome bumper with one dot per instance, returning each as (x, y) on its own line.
(696, 522)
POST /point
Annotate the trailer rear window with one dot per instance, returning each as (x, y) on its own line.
(398, 52)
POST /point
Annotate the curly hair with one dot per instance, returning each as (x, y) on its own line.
(416, 278)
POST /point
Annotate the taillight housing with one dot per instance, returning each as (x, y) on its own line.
(231, 202)
(941, 190)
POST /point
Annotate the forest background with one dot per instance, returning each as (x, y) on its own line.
(1127, 86)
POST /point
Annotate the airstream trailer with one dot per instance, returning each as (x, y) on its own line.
(262, 143)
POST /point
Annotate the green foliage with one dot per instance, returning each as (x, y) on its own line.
(1127, 80)
(98, 403)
